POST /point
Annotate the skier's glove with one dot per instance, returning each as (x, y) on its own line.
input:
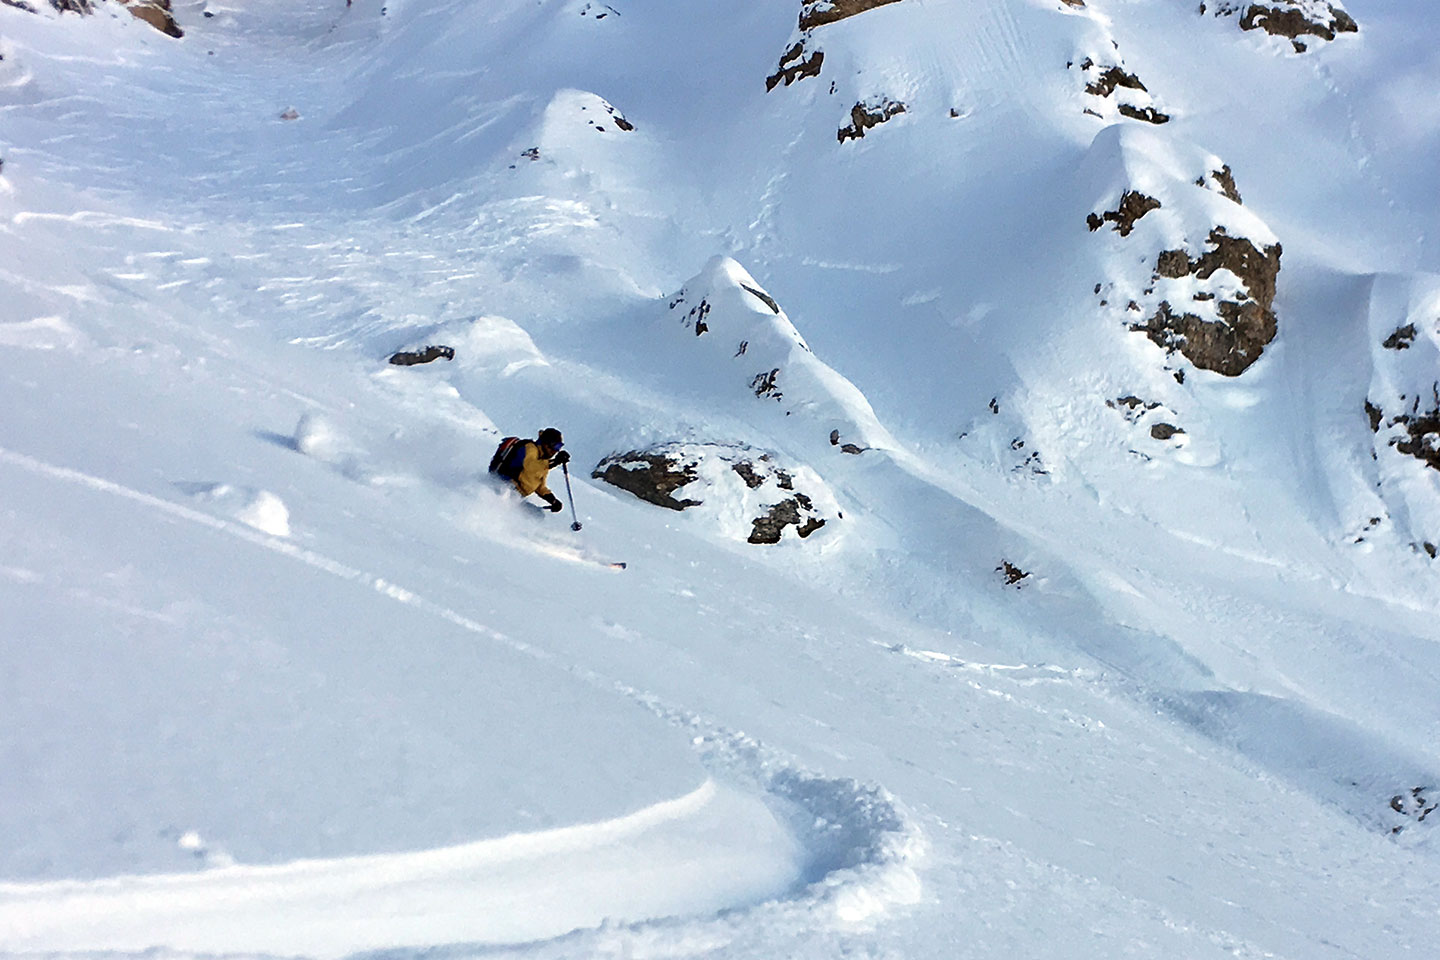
(560, 459)
(555, 505)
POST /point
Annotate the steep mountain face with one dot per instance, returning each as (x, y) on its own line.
(1021, 421)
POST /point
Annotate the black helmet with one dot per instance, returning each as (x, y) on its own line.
(550, 437)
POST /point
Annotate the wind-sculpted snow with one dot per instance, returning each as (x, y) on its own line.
(724, 337)
(1089, 666)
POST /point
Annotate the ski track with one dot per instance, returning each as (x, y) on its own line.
(871, 868)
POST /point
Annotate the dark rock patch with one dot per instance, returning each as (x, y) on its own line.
(817, 13)
(864, 117)
(845, 447)
(795, 66)
(1105, 80)
(763, 297)
(1133, 206)
(425, 355)
(1109, 79)
(1164, 431)
(1247, 323)
(20, 5)
(1375, 415)
(1291, 21)
(1011, 573)
(651, 476)
(1401, 338)
(1416, 804)
(766, 384)
(657, 473)
(786, 513)
(695, 317)
(157, 13)
(1422, 436)
(1132, 407)
(1147, 114)
(1226, 180)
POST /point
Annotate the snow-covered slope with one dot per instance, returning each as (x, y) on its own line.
(1102, 336)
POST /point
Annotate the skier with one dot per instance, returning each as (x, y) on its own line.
(525, 463)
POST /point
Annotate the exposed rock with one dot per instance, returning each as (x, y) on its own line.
(1108, 79)
(1012, 574)
(738, 481)
(1401, 338)
(1104, 81)
(426, 355)
(1375, 415)
(1226, 180)
(1147, 114)
(1164, 431)
(762, 296)
(786, 513)
(1133, 206)
(157, 13)
(845, 447)
(1292, 19)
(794, 66)
(1417, 803)
(652, 477)
(817, 13)
(1135, 408)
(1421, 435)
(1246, 323)
(766, 384)
(866, 116)
(1295, 19)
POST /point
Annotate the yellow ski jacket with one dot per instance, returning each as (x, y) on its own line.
(533, 471)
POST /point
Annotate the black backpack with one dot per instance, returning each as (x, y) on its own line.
(509, 458)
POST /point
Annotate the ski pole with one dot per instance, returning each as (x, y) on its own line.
(565, 467)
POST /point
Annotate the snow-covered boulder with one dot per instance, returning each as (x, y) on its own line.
(745, 493)
(1208, 286)
(1117, 89)
(260, 509)
(1293, 19)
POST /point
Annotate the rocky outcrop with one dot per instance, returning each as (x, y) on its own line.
(800, 61)
(797, 63)
(1416, 432)
(865, 116)
(1214, 306)
(1292, 19)
(729, 482)
(817, 13)
(1130, 96)
(1133, 206)
(1401, 338)
(653, 476)
(1246, 321)
(157, 13)
(409, 358)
